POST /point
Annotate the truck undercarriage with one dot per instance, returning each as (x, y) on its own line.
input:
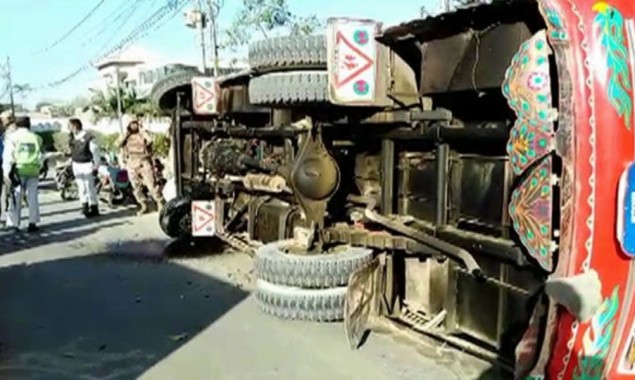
(401, 208)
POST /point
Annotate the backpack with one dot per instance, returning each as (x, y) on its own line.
(28, 155)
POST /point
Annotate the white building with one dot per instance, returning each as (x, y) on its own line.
(132, 67)
(139, 69)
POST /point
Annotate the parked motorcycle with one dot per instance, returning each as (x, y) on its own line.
(158, 168)
(65, 181)
(114, 186)
(44, 170)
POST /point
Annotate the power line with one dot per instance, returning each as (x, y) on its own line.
(75, 27)
(131, 11)
(124, 9)
(139, 32)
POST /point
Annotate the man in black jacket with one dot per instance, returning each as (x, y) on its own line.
(85, 156)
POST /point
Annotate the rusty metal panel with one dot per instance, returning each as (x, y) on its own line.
(426, 285)
(481, 194)
(488, 57)
(470, 60)
(440, 57)
(417, 185)
(490, 312)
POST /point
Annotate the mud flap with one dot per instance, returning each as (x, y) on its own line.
(362, 303)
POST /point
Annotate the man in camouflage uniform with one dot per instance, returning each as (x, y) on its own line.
(137, 152)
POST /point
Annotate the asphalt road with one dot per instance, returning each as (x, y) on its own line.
(99, 300)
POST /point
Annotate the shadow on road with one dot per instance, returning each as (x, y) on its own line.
(62, 231)
(94, 317)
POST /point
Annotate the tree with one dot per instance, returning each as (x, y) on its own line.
(104, 103)
(264, 18)
(22, 90)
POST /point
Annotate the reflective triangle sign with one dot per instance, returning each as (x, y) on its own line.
(352, 62)
(204, 93)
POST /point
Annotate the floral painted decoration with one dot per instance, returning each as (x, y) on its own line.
(596, 340)
(529, 142)
(527, 85)
(610, 25)
(531, 210)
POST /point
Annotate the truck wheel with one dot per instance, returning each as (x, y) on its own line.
(326, 270)
(289, 88)
(317, 305)
(163, 93)
(294, 51)
(175, 218)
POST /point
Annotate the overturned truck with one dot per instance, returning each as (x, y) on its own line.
(466, 177)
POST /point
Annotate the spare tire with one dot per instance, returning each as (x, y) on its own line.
(289, 88)
(292, 52)
(164, 91)
(275, 265)
(317, 305)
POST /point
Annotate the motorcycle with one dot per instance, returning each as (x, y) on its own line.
(44, 170)
(158, 169)
(113, 184)
(65, 181)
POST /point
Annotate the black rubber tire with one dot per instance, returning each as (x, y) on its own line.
(174, 216)
(326, 270)
(291, 51)
(289, 88)
(163, 92)
(44, 171)
(69, 194)
(316, 305)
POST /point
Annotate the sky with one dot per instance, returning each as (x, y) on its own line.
(31, 34)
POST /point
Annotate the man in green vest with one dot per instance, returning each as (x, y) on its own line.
(21, 162)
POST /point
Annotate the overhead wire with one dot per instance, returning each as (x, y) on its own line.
(75, 27)
(124, 9)
(131, 12)
(150, 24)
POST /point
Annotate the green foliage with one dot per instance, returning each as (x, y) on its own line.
(106, 141)
(161, 144)
(60, 142)
(48, 140)
(264, 17)
(104, 103)
(22, 90)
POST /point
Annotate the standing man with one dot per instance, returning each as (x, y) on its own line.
(21, 162)
(8, 126)
(85, 156)
(2, 198)
(137, 152)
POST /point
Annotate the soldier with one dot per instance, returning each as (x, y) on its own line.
(21, 162)
(137, 152)
(85, 156)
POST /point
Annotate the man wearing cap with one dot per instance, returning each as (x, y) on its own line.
(137, 149)
(21, 162)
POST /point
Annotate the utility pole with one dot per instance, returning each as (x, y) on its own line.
(201, 30)
(195, 19)
(214, 9)
(117, 78)
(10, 84)
(447, 5)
